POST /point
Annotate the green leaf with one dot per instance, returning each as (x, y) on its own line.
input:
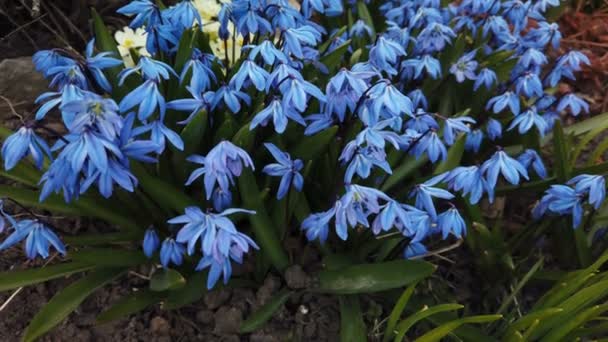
(163, 193)
(397, 312)
(352, 327)
(194, 290)
(105, 42)
(592, 134)
(66, 301)
(425, 312)
(409, 165)
(560, 332)
(94, 239)
(561, 153)
(23, 173)
(325, 45)
(520, 285)
(527, 320)
(166, 279)
(109, 257)
(263, 228)
(365, 278)
(440, 332)
(332, 60)
(130, 304)
(263, 314)
(454, 157)
(14, 279)
(311, 147)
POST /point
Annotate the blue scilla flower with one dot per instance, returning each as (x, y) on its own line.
(287, 169)
(360, 28)
(425, 192)
(131, 146)
(197, 103)
(594, 185)
(150, 69)
(527, 119)
(68, 74)
(148, 97)
(268, 51)
(414, 249)
(171, 252)
(529, 85)
(296, 91)
(434, 37)
(422, 122)
(22, 143)
(418, 99)
(385, 53)
(249, 17)
(151, 242)
(159, 134)
(164, 37)
(184, 14)
(530, 158)
(450, 222)
(230, 97)
(386, 101)
(486, 77)
(507, 99)
(361, 160)
(494, 129)
(454, 126)
(376, 134)
(495, 24)
(473, 140)
(392, 215)
(44, 60)
(250, 72)
(93, 112)
(561, 200)
(316, 225)
(432, 145)
(145, 11)
(53, 99)
(221, 199)
(278, 113)
(202, 75)
(465, 67)
(574, 103)
(318, 123)
(96, 64)
(60, 176)
(37, 235)
(532, 57)
(281, 73)
(544, 34)
(355, 206)
(470, 181)
(284, 15)
(221, 164)
(295, 39)
(398, 33)
(501, 163)
(426, 62)
(344, 91)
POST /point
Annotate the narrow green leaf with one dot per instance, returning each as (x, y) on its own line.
(561, 153)
(587, 138)
(520, 285)
(130, 304)
(163, 193)
(409, 165)
(263, 314)
(265, 233)
(527, 320)
(194, 290)
(352, 327)
(23, 173)
(14, 279)
(397, 312)
(66, 301)
(109, 257)
(454, 157)
(311, 147)
(560, 332)
(440, 332)
(325, 45)
(96, 239)
(366, 278)
(406, 324)
(332, 60)
(166, 279)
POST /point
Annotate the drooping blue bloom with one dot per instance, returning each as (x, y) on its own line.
(37, 235)
(507, 99)
(202, 74)
(494, 129)
(249, 17)
(426, 62)
(184, 14)
(532, 57)
(148, 97)
(278, 113)
(360, 28)
(454, 126)
(384, 54)
(196, 104)
(529, 85)
(171, 252)
(316, 225)
(150, 69)
(159, 134)
(22, 143)
(495, 24)
(527, 119)
(434, 37)
(151, 242)
(270, 54)
(362, 159)
(418, 99)
(92, 112)
(432, 145)
(544, 34)
(249, 71)
(425, 192)
(422, 122)
(465, 67)
(296, 91)
(470, 181)
(501, 163)
(287, 169)
(344, 91)
(295, 39)
(221, 199)
(221, 165)
(450, 221)
(562, 200)
(594, 185)
(414, 249)
(145, 11)
(96, 64)
(231, 97)
(44, 60)
(69, 74)
(473, 140)
(53, 99)
(575, 103)
(530, 158)
(486, 77)
(386, 101)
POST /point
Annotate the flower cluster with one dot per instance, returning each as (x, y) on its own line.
(269, 68)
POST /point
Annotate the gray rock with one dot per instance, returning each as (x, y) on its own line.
(270, 286)
(159, 326)
(228, 320)
(204, 316)
(20, 82)
(296, 278)
(216, 298)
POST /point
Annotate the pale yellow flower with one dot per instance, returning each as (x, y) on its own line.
(127, 40)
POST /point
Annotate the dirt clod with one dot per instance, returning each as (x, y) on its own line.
(296, 278)
(228, 320)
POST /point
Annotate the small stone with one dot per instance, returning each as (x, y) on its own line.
(296, 278)
(216, 298)
(20, 82)
(205, 317)
(310, 330)
(270, 286)
(159, 325)
(229, 320)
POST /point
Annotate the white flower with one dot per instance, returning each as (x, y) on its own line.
(208, 9)
(128, 40)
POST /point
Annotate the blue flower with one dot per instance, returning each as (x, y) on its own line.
(221, 164)
(344, 90)
(202, 73)
(426, 62)
(531, 158)
(145, 11)
(473, 140)
(432, 145)
(450, 221)
(249, 19)
(418, 99)
(386, 98)
(171, 252)
(45, 60)
(362, 159)
(529, 85)
(231, 97)
(469, 180)
(532, 57)
(196, 104)
(249, 71)
(527, 119)
(22, 143)
(279, 114)
(486, 77)
(594, 185)
(453, 126)
(575, 103)
(295, 93)
(544, 34)
(434, 37)
(288, 170)
(494, 129)
(562, 200)
(316, 225)
(507, 99)
(465, 67)
(184, 14)
(95, 65)
(151, 242)
(501, 163)
(222, 200)
(425, 193)
(384, 54)
(92, 112)
(68, 93)
(159, 133)
(360, 28)
(150, 69)
(414, 249)
(270, 54)
(295, 39)
(37, 235)
(148, 97)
